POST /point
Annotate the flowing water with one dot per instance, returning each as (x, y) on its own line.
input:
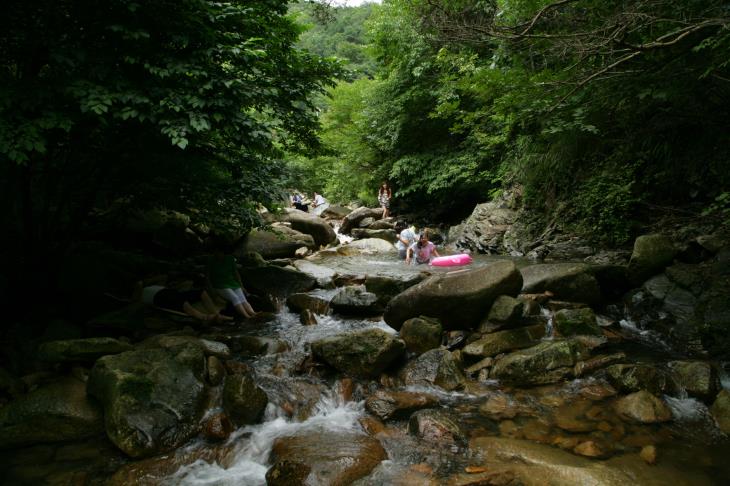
(555, 415)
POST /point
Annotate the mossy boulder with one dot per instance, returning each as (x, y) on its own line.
(421, 334)
(651, 255)
(434, 367)
(548, 362)
(573, 282)
(243, 400)
(88, 350)
(572, 322)
(362, 354)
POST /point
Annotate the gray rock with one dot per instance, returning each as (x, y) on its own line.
(567, 281)
(315, 303)
(355, 300)
(362, 354)
(387, 287)
(635, 377)
(506, 309)
(435, 367)
(384, 234)
(437, 427)
(572, 322)
(503, 341)
(652, 253)
(484, 229)
(310, 224)
(281, 242)
(153, 398)
(721, 411)
(698, 378)
(547, 362)
(58, 412)
(421, 334)
(276, 283)
(353, 219)
(459, 300)
(323, 275)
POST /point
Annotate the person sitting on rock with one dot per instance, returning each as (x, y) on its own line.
(223, 277)
(422, 250)
(179, 301)
(298, 202)
(406, 237)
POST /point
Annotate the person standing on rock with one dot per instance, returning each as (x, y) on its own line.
(406, 238)
(223, 277)
(422, 250)
(384, 195)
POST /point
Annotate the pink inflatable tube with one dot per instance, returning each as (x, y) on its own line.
(452, 260)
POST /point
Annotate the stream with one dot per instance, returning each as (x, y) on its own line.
(691, 448)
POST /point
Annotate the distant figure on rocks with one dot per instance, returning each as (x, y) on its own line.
(179, 301)
(319, 204)
(223, 277)
(298, 203)
(422, 250)
(406, 237)
(384, 195)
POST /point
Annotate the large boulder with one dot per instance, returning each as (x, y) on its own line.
(316, 303)
(87, 350)
(697, 378)
(367, 245)
(57, 412)
(281, 242)
(355, 300)
(353, 219)
(459, 300)
(323, 275)
(323, 457)
(567, 281)
(310, 224)
(153, 399)
(434, 367)
(387, 287)
(652, 254)
(362, 354)
(635, 377)
(484, 229)
(548, 362)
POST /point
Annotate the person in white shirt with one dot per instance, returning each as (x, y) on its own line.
(406, 238)
(318, 200)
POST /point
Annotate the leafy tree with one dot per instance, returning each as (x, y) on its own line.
(174, 103)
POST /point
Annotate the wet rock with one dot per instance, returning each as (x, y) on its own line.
(721, 411)
(484, 230)
(459, 300)
(281, 242)
(87, 350)
(364, 223)
(537, 464)
(398, 404)
(335, 212)
(590, 365)
(507, 310)
(207, 346)
(243, 399)
(421, 334)
(384, 234)
(435, 367)
(480, 366)
(567, 281)
(152, 398)
(630, 378)
(362, 354)
(57, 412)
(323, 458)
(648, 454)
(571, 417)
(249, 346)
(355, 300)
(388, 287)
(308, 318)
(643, 407)
(310, 224)
(216, 371)
(366, 246)
(217, 427)
(437, 426)
(276, 282)
(353, 219)
(322, 274)
(500, 406)
(383, 224)
(698, 378)
(316, 303)
(571, 322)
(484, 478)
(547, 362)
(591, 448)
(503, 341)
(652, 253)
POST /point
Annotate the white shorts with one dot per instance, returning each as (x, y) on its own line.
(234, 296)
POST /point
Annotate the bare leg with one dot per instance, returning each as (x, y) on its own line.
(195, 313)
(242, 309)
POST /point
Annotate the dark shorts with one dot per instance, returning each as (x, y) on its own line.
(174, 299)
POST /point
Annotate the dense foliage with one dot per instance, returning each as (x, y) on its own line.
(179, 104)
(604, 110)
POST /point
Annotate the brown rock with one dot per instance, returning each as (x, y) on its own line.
(643, 407)
(307, 318)
(217, 427)
(648, 454)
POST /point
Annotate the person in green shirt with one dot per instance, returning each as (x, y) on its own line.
(224, 279)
